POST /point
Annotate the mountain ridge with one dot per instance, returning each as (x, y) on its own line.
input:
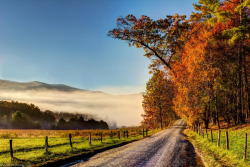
(8, 85)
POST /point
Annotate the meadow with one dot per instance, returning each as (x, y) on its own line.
(29, 145)
(216, 155)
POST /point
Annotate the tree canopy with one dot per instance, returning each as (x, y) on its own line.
(205, 58)
(157, 103)
(28, 116)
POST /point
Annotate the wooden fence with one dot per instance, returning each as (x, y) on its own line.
(112, 136)
(199, 130)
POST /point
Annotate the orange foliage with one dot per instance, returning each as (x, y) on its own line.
(193, 72)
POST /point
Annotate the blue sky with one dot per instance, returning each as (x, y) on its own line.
(65, 42)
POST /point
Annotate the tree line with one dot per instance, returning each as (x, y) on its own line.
(17, 115)
(200, 64)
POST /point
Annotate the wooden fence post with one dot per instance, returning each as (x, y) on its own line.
(70, 142)
(211, 135)
(119, 136)
(245, 148)
(46, 144)
(227, 142)
(89, 138)
(11, 150)
(218, 141)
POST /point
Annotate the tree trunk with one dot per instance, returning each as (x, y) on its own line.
(217, 113)
(161, 120)
(206, 122)
(239, 96)
(226, 112)
(246, 85)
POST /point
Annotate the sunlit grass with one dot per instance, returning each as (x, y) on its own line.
(220, 156)
(30, 149)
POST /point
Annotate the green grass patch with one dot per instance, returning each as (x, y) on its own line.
(30, 151)
(220, 156)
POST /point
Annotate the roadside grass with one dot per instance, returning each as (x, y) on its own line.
(220, 156)
(30, 150)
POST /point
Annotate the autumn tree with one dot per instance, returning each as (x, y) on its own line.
(230, 21)
(206, 57)
(209, 79)
(157, 102)
(160, 39)
(195, 77)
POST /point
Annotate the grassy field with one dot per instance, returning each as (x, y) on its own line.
(220, 156)
(28, 145)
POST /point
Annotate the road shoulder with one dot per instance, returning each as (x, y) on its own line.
(199, 156)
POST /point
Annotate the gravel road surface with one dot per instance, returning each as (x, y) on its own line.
(164, 149)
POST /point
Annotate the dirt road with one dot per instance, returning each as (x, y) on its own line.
(166, 148)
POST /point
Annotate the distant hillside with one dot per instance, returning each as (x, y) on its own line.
(16, 115)
(34, 85)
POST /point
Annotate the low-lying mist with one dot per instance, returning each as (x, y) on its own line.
(117, 110)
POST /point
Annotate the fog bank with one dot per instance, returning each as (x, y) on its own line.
(120, 110)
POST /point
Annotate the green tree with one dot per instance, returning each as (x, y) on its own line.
(19, 120)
